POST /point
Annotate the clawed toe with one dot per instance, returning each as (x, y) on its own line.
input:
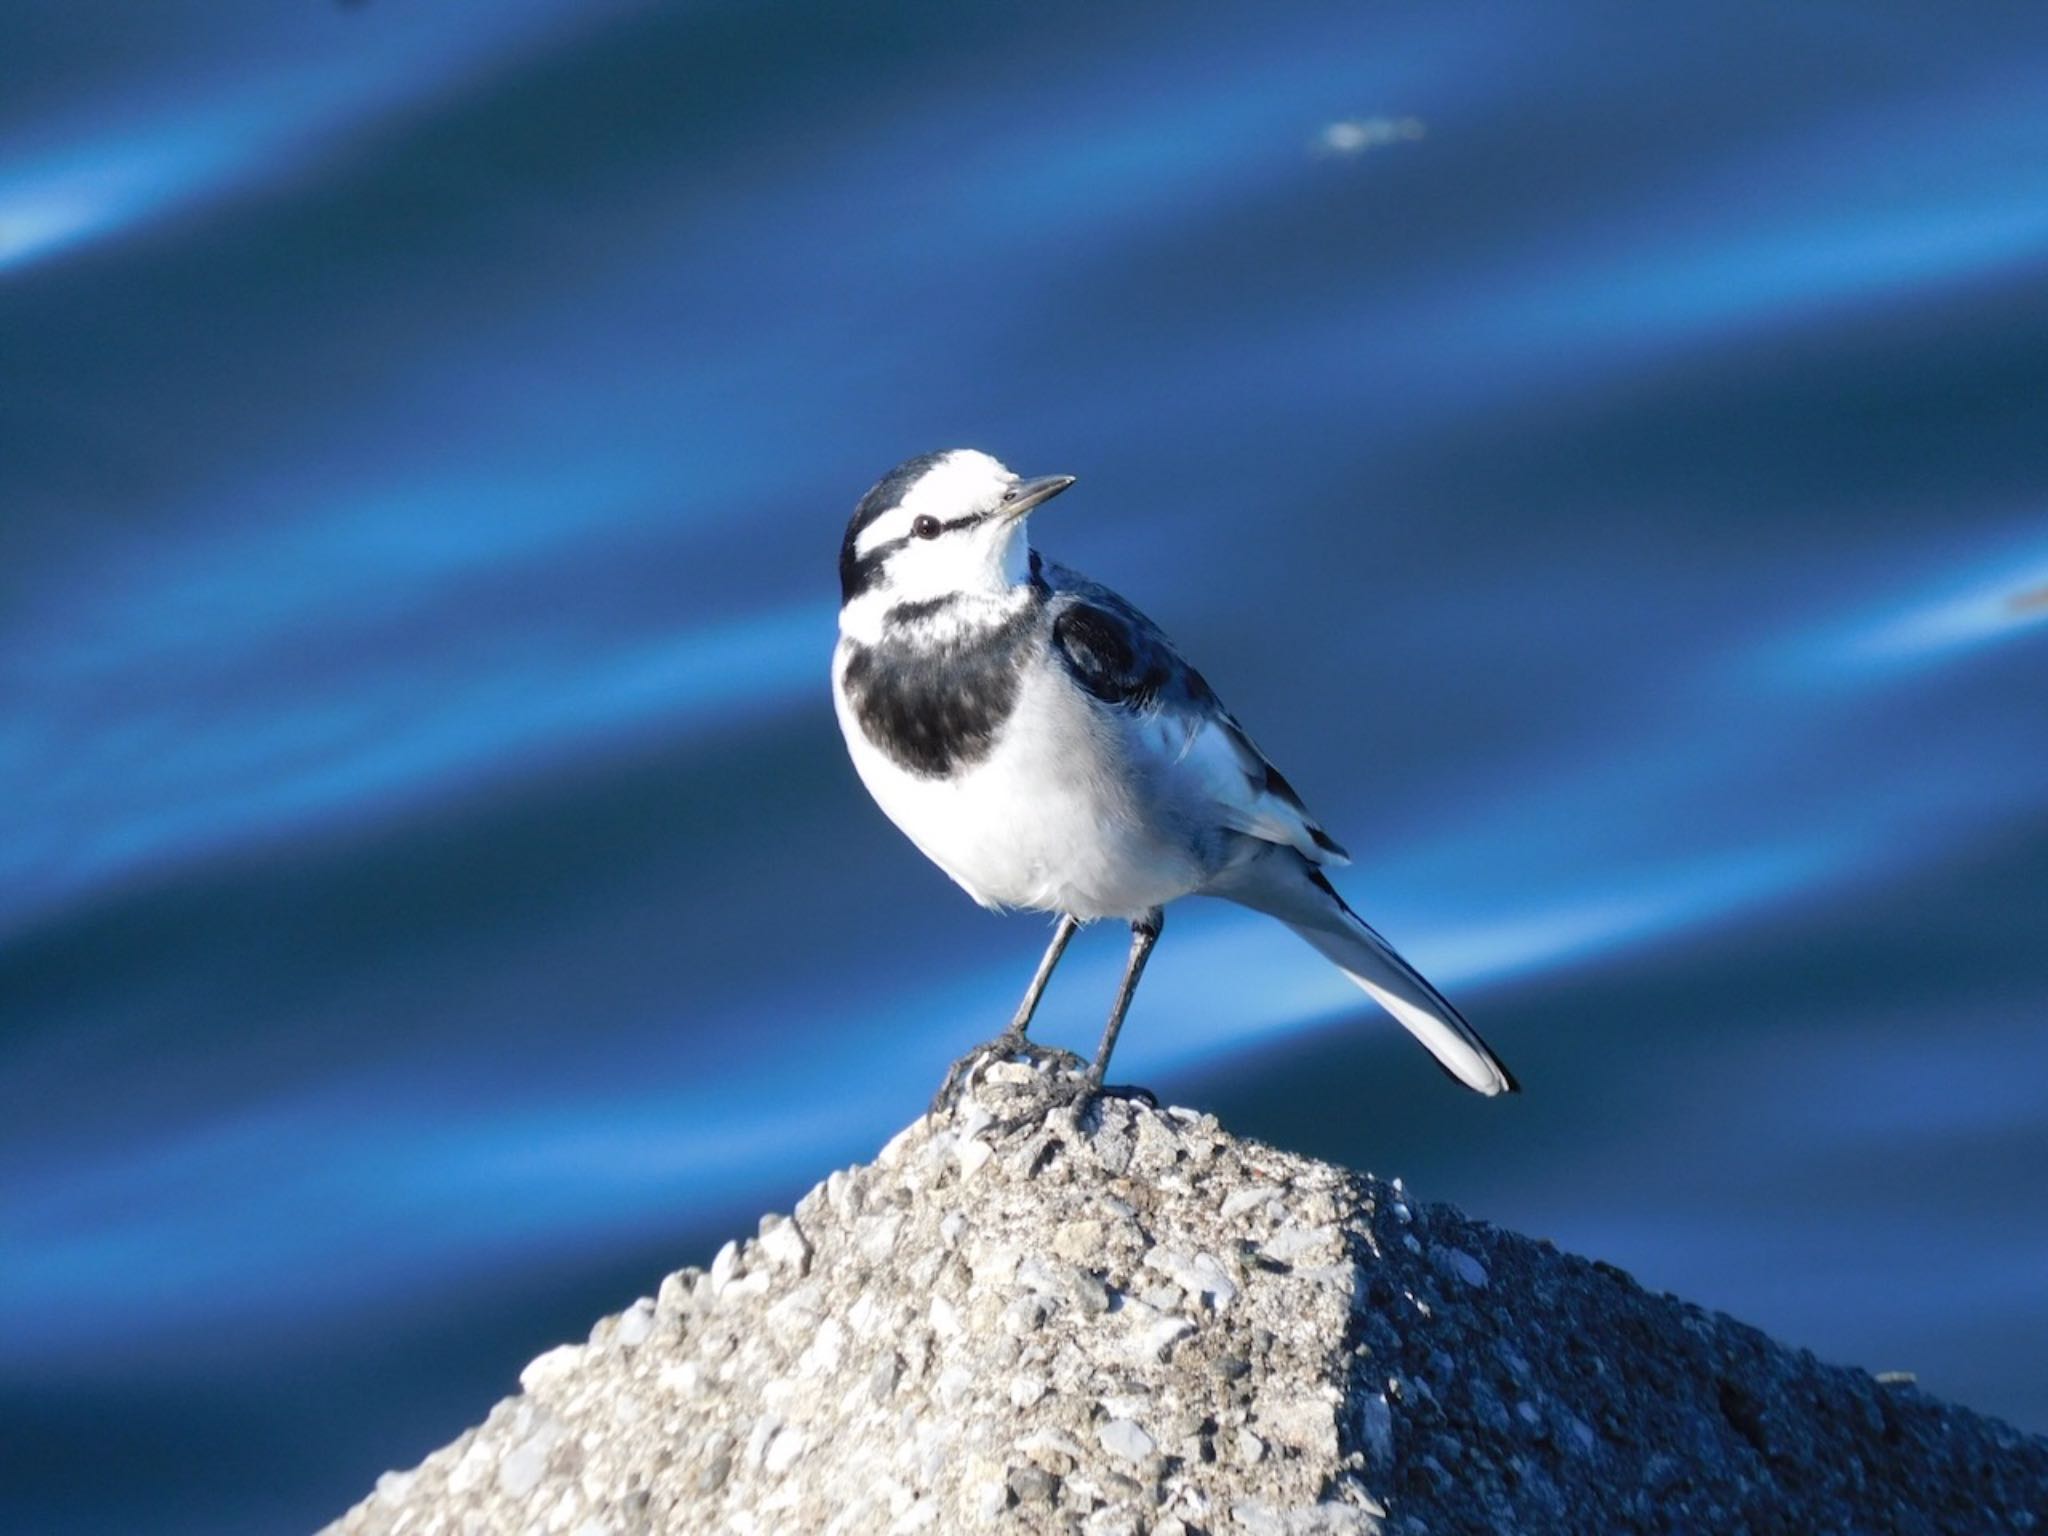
(1133, 1092)
(955, 1082)
(1082, 1089)
(1010, 1045)
(1052, 1056)
(1075, 1091)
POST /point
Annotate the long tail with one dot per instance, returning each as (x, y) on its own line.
(1288, 887)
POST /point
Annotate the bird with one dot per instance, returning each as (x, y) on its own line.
(1045, 744)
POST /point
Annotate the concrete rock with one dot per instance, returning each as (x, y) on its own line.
(1132, 1321)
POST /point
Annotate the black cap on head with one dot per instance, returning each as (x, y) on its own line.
(855, 573)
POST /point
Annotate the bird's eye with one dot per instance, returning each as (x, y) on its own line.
(926, 528)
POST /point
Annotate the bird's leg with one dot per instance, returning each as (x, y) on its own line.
(1061, 933)
(1144, 934)
(1013, 1041)
(1083, 1088)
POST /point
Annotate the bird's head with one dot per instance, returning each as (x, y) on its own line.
(939, 526)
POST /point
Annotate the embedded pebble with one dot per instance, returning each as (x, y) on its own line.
(782, 1245)
(552, 1368)
(725, 1268)
(1456, 1261)
(1376, 1428)
(520, 1470)
(783, 1451)
(1078, 1241)
(1250, 1198)
(635, 1323)
(1123, 1437)
(1289, 1244)
(1032, 1484)
(1199, 1274)
(1156, 1340)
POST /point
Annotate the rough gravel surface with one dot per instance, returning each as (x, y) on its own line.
(1133, 1322)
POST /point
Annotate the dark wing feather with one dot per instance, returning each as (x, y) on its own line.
(1125, 660)
(1106, 655)
(1114, 651)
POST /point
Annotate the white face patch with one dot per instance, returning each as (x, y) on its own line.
(988, 556)
(964, 482)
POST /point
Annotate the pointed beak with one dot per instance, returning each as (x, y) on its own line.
(1026, 494)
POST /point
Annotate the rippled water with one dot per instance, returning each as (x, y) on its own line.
(1599, 451)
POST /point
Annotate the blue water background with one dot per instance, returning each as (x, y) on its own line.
(1599, 450)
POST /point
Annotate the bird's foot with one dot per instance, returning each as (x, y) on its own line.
(1074, 1093)
(1081, 1089)
(1134, 1093)
(1010, 1045)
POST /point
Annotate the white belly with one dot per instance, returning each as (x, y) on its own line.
(1052, 819)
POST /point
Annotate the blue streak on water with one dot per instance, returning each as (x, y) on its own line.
(1976, 611)
(234, 754)
(491, 1185)
(1801, 249)
(48, 207)
(59, 190)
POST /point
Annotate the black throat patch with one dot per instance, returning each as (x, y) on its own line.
(937, 706)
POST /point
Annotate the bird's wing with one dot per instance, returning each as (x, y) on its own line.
(1125, 660)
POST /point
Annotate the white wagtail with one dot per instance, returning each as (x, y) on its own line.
(1042, 742)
